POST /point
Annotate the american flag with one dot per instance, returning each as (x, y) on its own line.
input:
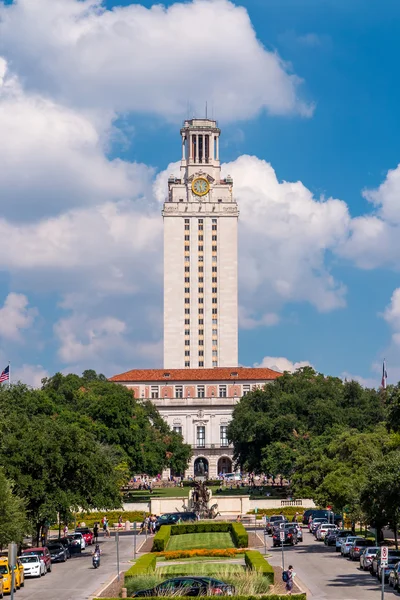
(5, 376)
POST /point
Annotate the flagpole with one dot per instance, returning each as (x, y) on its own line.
(9, 374)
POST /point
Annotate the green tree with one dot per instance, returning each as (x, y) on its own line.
(13, 520)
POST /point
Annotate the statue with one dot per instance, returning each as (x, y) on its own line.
(200, 498)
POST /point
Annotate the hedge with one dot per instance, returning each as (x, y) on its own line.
(112, 515)
(256, 562)
(264, 597)
(239, 535)
(287, 511)
(144, 564)
(161, 539)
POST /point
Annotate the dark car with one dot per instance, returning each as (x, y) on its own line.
(174, 518)
(274, 521)
(394, 577)
(367, 556)
(357, 547)
(290, 536)
(67, 545)
(316, 512)
(330, 538)
(376, 561)
(393, 559)
(57, 552)
(189, 586)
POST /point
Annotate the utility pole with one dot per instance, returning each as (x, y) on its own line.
(117, 542)
(134, 539)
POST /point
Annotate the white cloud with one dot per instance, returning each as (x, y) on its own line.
(148, 60)
(29, 374)
(368, 382)
(280, 363)
(15, 315)
(246, 321)
(392, 315)
(53, 157)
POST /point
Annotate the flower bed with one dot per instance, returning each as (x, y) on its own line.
(176, 554)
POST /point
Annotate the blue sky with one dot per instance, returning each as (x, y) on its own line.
(98, 132)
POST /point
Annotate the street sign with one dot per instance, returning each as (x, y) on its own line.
(384, 556)
(12, 554)
(282, 536)
(264, 520)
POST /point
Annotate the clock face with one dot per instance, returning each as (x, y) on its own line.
(200, 186)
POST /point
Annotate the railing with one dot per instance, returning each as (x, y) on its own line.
(291, 502)
(211, 446)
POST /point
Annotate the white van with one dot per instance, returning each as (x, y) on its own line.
(232, 477)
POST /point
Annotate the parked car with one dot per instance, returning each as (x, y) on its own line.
(67, 543)
(33, 565)
(189, 586)
(87, 534)
(315, 523)
(43, 553)
(1, 587)
(274, 521)
(393, 559)
(19, 574)
(376, 561)
(394, 577)
(366, 557)
(232, 477)
(57, 552)
(357, 547)
(173, 518)
(331, 537)
(5, 572)
(340, 537)
(77, 537)
(346, 543)
(290, 536)
(323, 529)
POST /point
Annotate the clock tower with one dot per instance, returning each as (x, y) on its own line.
(200, 256)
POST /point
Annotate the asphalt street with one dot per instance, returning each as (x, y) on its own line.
(76, 579)
(326, 575)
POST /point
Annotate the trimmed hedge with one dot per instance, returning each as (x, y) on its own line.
(264, 597)
(287, 511)
(161, 539)
(239, 535)
(256, 562)
(144, 564)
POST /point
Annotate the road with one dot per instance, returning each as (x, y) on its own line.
(76, 579)
(326, 575)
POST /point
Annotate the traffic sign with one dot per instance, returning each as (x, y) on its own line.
(282, 536)
(384, 556)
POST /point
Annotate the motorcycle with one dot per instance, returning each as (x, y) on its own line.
(96, 560)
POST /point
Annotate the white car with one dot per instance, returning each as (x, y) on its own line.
(232, 477)
(33, 566)
(79, 537)
(345, 547)
(323, 530)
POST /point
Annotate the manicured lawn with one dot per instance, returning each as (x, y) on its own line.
(203, 569)
(191, 541)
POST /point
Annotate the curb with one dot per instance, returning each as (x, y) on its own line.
(99, 591)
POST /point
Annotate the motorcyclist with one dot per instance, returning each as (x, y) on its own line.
(97, 550)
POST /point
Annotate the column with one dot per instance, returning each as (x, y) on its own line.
(217, 148)
(190, 147)
(196, 157)
(183, 147)
(210, 148)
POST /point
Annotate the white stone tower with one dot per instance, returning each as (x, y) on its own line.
(200, 257)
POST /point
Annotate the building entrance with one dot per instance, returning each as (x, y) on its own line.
(224, 465)
(201, 467)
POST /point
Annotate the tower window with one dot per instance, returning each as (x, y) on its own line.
(201, 311)
(187, 227)
(201, 290)
(200, 221)
(214, 269)
(201, 269)
(214, 259)
(187, 321)
(214, 280)
(201, 352)
(222, 391)
(200, 391)
(187, 363)
(214, 311)
(187, 311)
(187, 300)
(214, 290)
(187, 279)
(201, 331)
(187, 331)
(187, 248)
(201, 363)
(187, 290)
(200, 238)
(187, 269)
(178, 391)
(201, 436)
(214, 238)
(214, 248)
(201, 279)
(187, 238)
(187, 342)
(201, 248)
(201, 300)
(154, 391)
(201, 342)
(201, 258)
(186, 220)
(187, 352)
(214, 363)
(214, 227)
(214, 300)
(201, 321)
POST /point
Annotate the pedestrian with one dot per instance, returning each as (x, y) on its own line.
(65, 530)
(288, 577)
(96, 532)
(120, 521)
(107, 528)
(294, 520)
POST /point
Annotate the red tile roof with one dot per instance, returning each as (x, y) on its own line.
(215, 374)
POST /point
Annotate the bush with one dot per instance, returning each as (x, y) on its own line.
(112, 515)
(201, 527)
(264, 597)
(176, 554)
(256, 562)
(239, 535)
(144, 564)
(161, 538)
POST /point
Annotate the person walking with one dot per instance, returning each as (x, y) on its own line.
(290, 575)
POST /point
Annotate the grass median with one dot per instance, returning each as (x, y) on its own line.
(191, 541)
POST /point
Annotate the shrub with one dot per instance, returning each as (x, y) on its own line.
(239, 535)
(161, 538)
(143, 582)
(144, 564)
(262, 597)
(201, 527)
(175, 554)
(287, 511)
(112, 515)
(256, 562)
